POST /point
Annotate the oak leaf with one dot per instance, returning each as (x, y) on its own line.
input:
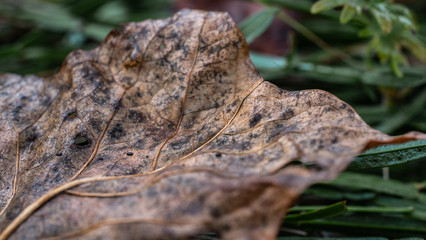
(166, 131)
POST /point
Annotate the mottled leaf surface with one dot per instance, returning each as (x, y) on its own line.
(165, 131)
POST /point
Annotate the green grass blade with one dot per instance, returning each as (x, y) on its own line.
(320, 238)
(253, 26)
(388, 226)
(48, 15)
(266, 62)
(376, 184)
(389, 155)
(300, 5)
(373, 209)
(410, 238)
(333, 194)
(97, 32)
(339, 75)
(418, 213)
(413, 77)
(319, 213)
(405, 114)
(366, 209)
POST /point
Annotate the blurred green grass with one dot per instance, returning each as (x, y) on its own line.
(36, 35)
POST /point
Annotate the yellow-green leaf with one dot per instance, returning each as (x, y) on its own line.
(323, 5)
(383, 19)
(347, 14)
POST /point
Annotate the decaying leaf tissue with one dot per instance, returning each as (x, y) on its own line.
(165, 131)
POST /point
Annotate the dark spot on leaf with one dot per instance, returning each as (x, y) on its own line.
(179, 143)
(99, 99)
(136, 116)
(226, 227)
(59, 154)
(255, 119)
(140, 144)
(96, 124)
(313, 166)
(296, 162)
(117, 131)
(218, 155)
(29, 137)
(129, 154)
(215, 213)
(71, 115)
(220, 142)
(246, 145)
(133, 171)
(23, 97)
(288, 113)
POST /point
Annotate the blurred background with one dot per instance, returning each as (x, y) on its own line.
(375, 61)
(369, 53)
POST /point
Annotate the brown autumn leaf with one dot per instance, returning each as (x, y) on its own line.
(165, 131)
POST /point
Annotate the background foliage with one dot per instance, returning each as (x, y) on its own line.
(369, 53)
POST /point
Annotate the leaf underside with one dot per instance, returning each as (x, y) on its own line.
(166, 131)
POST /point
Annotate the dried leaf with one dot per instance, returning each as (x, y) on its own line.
(166, 131)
